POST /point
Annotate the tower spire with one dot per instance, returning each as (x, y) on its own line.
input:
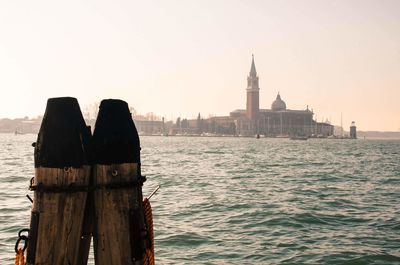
(253, 71)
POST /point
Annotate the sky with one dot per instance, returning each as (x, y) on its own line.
(182, 57)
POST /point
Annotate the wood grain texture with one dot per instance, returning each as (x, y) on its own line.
(61, 215)
(112, 241)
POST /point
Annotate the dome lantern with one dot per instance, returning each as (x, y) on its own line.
(278, 104)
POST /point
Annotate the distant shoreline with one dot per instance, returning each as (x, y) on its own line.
(232, 136)
(360, 136)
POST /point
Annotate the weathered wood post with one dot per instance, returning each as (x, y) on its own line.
(119, 231)
(60, 185)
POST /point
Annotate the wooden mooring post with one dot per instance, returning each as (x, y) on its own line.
(62, 176)
(119, 229)
(86, 186)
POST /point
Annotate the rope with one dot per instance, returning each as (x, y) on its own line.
(19, 257)
(148, 215)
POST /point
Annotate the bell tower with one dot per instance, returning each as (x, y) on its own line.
(252, 103)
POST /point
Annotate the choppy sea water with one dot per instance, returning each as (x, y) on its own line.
(248, 201)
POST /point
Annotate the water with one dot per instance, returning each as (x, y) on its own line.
(248, 201)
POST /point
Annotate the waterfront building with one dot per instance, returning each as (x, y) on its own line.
(20, 125)
(150, 125)
(276, 121)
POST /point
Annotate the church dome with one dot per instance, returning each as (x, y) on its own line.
(278, 104)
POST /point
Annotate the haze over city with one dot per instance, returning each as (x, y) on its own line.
(179, 58)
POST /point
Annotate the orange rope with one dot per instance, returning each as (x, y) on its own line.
(148, 215)
(19, 257)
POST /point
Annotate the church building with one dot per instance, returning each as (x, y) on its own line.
(278, 121)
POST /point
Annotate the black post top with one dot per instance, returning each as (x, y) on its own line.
(115, 138)
(63, 135)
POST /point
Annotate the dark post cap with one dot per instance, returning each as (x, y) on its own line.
(115, 138)
(63, 135)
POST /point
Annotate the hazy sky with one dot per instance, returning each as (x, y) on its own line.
(178, 58)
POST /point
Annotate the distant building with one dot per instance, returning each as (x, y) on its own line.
(20, 126)
(322, 129)
(277, 121)
(150, 125)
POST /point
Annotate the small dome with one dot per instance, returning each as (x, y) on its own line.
(278, 104)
